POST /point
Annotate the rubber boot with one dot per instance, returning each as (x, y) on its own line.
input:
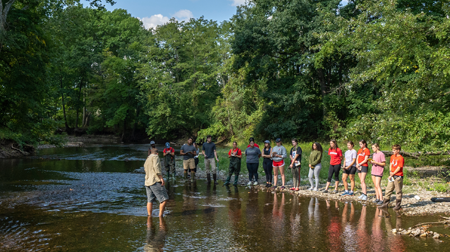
(236, 179)
(215, 179)
(228, 180)
(385, 203)
(192, 176)
(208, 178)
(398, 205)
(185, 174)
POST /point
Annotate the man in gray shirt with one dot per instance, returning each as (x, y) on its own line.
(188, 152)
(209, 151)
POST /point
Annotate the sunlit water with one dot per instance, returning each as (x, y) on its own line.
(89, 200)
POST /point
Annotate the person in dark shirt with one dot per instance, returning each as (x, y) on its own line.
(295, 166)
(209, 151)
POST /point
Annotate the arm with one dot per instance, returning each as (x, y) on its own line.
(293, 159)
(172, 153)
(182, 153)
(215, 154)
(353, 162)
(316, 159)
(157, 167)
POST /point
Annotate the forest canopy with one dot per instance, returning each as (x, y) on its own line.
(314, 70)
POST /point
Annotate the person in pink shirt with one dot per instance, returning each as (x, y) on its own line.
(378, 162)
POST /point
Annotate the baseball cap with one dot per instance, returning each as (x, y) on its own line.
(152, 142)
(267, 141)
(167, 145)
(278, 140)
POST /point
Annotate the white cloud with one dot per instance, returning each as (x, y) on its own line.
(159, 19)
(238, 2)
(154, 21)
(183, 15)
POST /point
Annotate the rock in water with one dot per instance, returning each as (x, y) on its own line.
(436, 236)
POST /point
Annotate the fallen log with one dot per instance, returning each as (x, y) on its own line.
(19, 150)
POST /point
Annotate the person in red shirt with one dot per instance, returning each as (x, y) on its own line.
(169, 160)
(235, 155)
(335, 165)
(255, 145)
(362, 167)
(395, 179)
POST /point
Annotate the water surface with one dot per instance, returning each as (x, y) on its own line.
(90, 201)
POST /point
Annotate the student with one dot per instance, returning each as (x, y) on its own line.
(362, 167)
(209, 151)
(335, 165)
(235, 155)
(349, 169)
(154, 183)
(378, 163)
(395, 179)
(252, 155)
(278, 155)
(169, 160)
(188, 152)
(197, 151)
(252, 139)
(152, 145)
(267, 163)
(315, 159)
(295, 166)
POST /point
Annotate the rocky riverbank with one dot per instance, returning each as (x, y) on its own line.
(9, 149)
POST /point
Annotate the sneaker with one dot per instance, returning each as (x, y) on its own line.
(364, 197)
(249, 183)
(282, 187)
(360, 196)
(274, 187)
(255, 183)
(315, 189)
(350, 193)
(326, 191)
(335, 191)
(345, 193)
(311, 188)
(292, 189)
(380, 203)
(297, 189)
(375, 201)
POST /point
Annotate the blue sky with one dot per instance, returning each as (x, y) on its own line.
(154, 13)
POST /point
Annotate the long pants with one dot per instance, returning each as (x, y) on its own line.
(170, 168)
(398, 186)
(334, 169)
(210, 165)
(252, 171)
(234, 169)
(315, 172)
(296, 175)
(268, 169)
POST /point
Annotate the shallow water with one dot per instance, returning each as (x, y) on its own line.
(90, 201)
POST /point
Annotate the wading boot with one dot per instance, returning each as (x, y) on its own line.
(185, 174)
(192, 176)
(385, 203)
(208, 178)
(236, 179)
(215, 179)
(228, 181)
(398, 205)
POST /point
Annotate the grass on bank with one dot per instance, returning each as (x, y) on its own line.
(436, 184)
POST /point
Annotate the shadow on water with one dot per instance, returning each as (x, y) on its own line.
(59, 205)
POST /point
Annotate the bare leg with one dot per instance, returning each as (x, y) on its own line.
(275, 176)
(149, 208)
(161, 208)
(282, 174)
(344, 181)
(328, 185)
(362, 177)
(352, 182)
(336, 184)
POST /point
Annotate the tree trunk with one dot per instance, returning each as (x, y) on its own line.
(64, 105)
(3, 15)
(138, 110)
(124, 127)
(323, 89)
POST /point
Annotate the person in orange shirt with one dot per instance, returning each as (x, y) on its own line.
(363, 167)
(395, 179)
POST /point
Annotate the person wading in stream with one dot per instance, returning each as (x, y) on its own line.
(235, 155)
(378, 163)
(197, 150)
(252, 155)
(154, 183)
(395, 179)
(278, 155)
(188, 152)
(349, 169)
(295, 166)
(267, 163)
(335, 165)
(169, 160)
(362, 167)
(209, 151)
(152, 145)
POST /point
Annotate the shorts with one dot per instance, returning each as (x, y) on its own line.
(156, 191)
(364, 169)
(380, 176)
(349, 171)
(278, 163)
(189, 164)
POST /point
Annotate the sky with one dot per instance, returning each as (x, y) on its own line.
(157, 12)
(153, 13)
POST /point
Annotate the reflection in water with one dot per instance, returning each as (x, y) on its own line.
(155, 239)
